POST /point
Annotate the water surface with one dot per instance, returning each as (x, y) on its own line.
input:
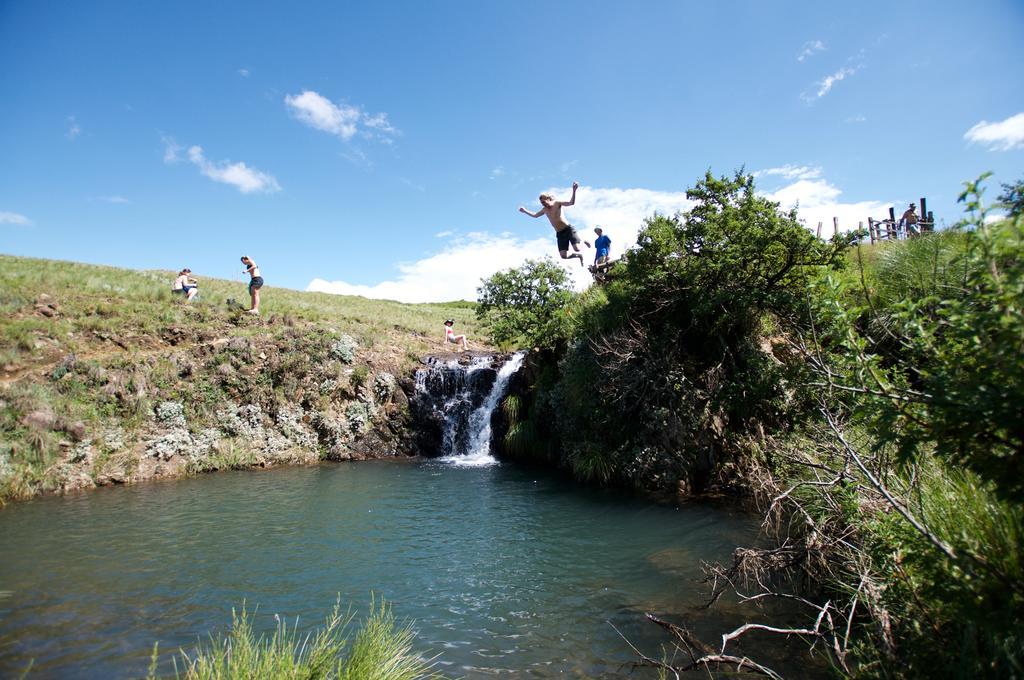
(503, 570)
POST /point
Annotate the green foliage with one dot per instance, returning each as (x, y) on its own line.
(380, 650)
(941, 367)
(1012, 198)
(526, 306)
(671, 346)
(971, 608)
(344, 349)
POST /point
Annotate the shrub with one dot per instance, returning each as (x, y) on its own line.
(526, 306)
(344, 349)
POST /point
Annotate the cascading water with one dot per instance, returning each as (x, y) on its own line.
(456, 402)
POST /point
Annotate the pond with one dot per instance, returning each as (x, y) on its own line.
(501, 569)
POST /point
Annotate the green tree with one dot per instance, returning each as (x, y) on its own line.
(1012, 198)
(526, 305)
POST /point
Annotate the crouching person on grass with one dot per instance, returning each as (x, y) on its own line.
(185, 285)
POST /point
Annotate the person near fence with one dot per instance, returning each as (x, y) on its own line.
(908, 223)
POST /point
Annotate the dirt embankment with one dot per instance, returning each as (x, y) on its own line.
(192, 400)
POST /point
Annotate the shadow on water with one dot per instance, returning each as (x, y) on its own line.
(502, 569)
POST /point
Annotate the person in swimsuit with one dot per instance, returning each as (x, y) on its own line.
(449, 335)
(564, 232)
(185, 285)
(255, 283)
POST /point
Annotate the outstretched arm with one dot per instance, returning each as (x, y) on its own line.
(527, 212)
(572, 201)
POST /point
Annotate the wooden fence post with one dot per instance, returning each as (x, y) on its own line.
(819, 229)
(871, 228)
(890, 228)
(835, 226)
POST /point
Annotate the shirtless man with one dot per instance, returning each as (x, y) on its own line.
(564, 232)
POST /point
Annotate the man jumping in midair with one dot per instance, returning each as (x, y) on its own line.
(564, 232)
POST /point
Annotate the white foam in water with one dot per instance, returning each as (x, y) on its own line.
(478, 452)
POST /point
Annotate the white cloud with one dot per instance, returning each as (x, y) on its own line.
(380, 123)
(810, 48)
(172, 150)
(452, 274)
(244, 72)
(825, 86)
(14, 218)
(73, 129)
(321, 113)
(620, 212)
(239, 175)
(1002, 136)
(412, 185)
(497, 172)
(817, 200)
(342, 120)
(118, 200)
(455, 272)
(791, 172)
(859, 118)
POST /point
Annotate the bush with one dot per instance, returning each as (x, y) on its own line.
(526, 306)
(665, 359)
(939, 368)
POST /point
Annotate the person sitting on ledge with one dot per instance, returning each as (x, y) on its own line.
(449, 335)
(185, 285)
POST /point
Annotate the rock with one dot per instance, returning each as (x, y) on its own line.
(76, 430)
(49, 311)
(40, 419)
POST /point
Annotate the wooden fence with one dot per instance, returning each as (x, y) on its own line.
(890, 229)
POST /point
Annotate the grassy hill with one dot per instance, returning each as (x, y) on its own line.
(105, 377)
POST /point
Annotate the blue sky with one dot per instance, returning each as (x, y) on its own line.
(384, 148)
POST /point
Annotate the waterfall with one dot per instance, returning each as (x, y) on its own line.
(454, 404)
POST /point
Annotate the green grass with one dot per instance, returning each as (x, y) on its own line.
(381, 649)
(95, 299)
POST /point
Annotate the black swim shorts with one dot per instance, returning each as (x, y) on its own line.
(256, 283)
(566, 236)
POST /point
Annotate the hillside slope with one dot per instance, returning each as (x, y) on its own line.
(108, 378)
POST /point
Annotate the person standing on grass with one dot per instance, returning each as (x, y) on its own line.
(185, 285)
(255, 283)
(564, 232)
(449, 335)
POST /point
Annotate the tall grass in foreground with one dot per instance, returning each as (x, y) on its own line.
(380, 650)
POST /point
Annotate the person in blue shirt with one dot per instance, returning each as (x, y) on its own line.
(602, 245)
